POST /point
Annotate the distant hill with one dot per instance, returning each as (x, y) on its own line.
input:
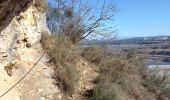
(144, 40)
(136, 40)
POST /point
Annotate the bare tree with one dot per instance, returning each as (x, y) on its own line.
(78, 20)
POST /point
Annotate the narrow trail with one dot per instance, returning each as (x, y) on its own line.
(87, 76)
(38, 85)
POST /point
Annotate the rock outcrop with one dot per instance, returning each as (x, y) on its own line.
(11, 8)
(21, 26)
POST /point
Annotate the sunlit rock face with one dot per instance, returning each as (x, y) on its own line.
(21, 24)
(22, 17)
(11, 8)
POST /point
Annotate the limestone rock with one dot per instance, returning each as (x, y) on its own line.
(22, 17)
(11, 8)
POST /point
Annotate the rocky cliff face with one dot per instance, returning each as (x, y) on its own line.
(11, 8)
(21, 26)
(23, 18)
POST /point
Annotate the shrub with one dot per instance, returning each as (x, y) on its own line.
(67, 76)
(154, 80)
(63, 54)
(112, 73)
(104, 90)
(124, 73)
(158, 83)
(93, 54)
(41, 5)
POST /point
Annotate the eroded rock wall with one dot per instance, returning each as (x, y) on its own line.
(21, 24)
(11, 8)
(29, 24)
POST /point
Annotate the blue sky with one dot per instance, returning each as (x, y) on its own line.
(143, 17)
(136, 18)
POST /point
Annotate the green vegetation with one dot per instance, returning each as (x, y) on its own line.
(93, 54)
(158, 83)
(111, 74)
(64, 56)
(123, 75)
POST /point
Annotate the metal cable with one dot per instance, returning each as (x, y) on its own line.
(22, 77)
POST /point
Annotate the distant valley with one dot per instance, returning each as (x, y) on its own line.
(156, 49)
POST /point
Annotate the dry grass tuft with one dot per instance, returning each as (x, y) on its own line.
(93, 54)
(41, 5)
(64, 56)
(158, 82)
(112, 72)
(121, 77)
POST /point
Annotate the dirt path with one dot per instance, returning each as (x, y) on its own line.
(87, 77)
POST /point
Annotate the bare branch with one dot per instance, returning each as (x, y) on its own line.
(84, 20)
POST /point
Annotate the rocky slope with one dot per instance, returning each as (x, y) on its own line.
(21, 26)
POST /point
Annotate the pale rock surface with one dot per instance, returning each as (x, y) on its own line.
(38, 85)
(11, 8)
